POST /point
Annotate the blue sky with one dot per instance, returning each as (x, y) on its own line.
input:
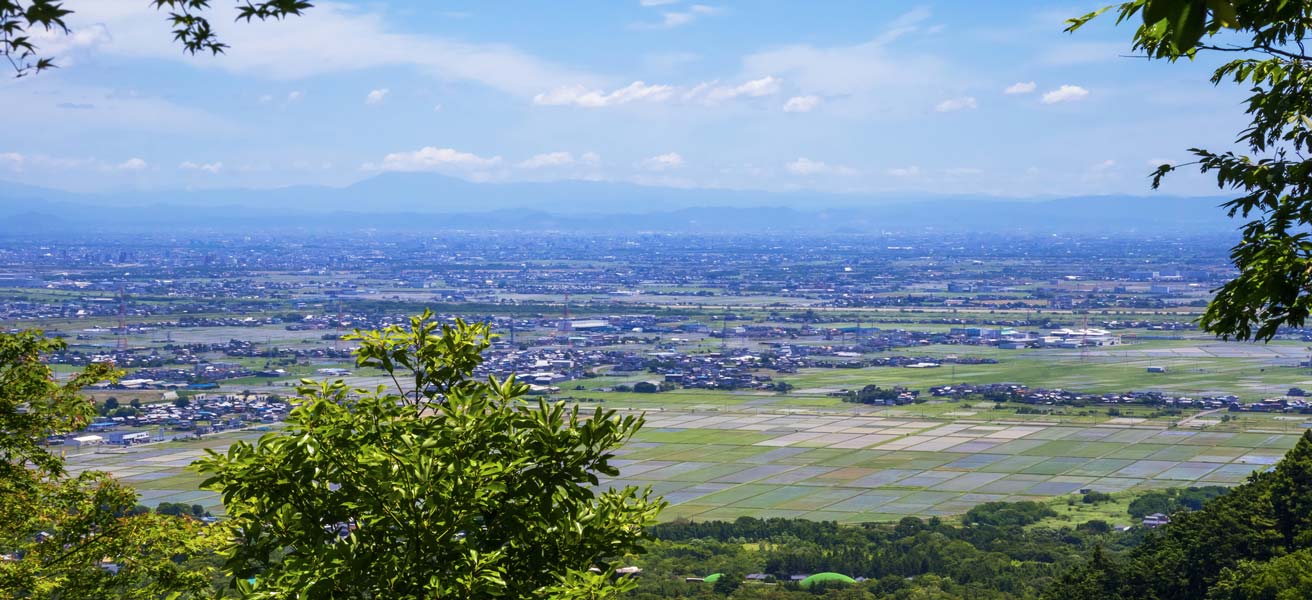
(861, 96)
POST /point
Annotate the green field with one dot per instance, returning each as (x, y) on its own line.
(715, 466)
(807, 453)
(724, 464)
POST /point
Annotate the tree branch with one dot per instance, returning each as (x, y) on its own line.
(1259, 48)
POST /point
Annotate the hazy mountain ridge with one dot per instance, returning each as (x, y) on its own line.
(427, 201)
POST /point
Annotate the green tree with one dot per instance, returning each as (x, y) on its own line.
(1274, 178)
(441, 486)
(727, 583)
(20, 19)
(1099, 579)
(1286, 578)
(63, 529)
(646, 387)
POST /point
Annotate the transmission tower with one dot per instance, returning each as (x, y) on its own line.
(337, 340)
(566, 325)
(724, 333)
(122, 342)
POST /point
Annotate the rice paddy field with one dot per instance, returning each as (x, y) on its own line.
(159, 471)
(867, 468)
(850, 468)
(717, 454)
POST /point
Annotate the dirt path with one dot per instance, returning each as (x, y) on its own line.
(1189, 421)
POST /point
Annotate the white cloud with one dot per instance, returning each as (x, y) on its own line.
(590, 158)
(963, 171)
(672, 19)
(955, 104)
(63, 48)
(131, 164)
(376, 96)
(710, 93)
(579, 95)
(1065, 93)
(801, 104)
(212, 168)
(662, 162)
(869, 78)
(1104, 171)
(333, 38)
(430, 158)
(650, 3)
(911, 171)
(806, 166)
(437, 107)
(1020, 87)
(550, 159)
(295, 96)
(16, 161)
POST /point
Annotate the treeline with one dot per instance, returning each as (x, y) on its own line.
(1172, 500)
(1252, 543)
(873, 394)
(990, 553)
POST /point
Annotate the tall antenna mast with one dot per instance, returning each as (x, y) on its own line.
(724, 332)
(122, 342)
(337, 341)
(566, 326)
(1084, 339)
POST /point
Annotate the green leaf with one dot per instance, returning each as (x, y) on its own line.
(1223, 12)
(1158, 10)
(1188, 24)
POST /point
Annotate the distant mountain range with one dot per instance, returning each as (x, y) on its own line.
(424, 201)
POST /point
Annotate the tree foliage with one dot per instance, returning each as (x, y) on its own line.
(912, 558)
(1274, 178)
(21, 21)
(1286, 578)
(441, 485)
(76, 537)
(1173, 499)
(1255, 538)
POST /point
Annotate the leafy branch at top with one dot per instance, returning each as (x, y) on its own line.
(19, 19)
(1273, 181)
